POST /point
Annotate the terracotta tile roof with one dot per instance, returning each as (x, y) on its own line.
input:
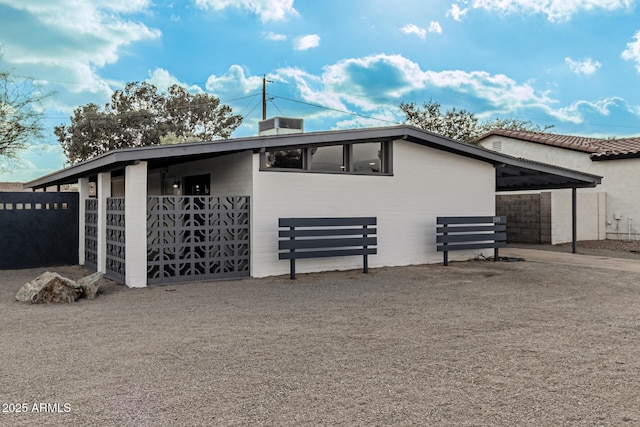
(597, 147)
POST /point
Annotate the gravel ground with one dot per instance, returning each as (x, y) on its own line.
(475, 343)
(629, 249)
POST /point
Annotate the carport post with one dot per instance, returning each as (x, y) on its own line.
(83, 190)
(135, 213)
(574, 219)
(103, 192)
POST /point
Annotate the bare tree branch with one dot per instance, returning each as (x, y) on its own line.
(20, 114)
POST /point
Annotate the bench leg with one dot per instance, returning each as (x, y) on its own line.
(495, 254)
(292, 269)
(366, 264)
(446, 257)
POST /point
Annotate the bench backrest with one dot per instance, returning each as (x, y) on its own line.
(326, 237)
(471, 232)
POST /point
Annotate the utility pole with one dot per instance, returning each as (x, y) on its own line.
(264, 97)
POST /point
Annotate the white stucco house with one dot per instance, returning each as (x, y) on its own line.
(210, 210)
(612, 210)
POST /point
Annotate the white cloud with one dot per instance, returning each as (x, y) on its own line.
(364, 82)
(274, 36)
(586, 67)
(80, 38)
(79, 32)
(456, 12)
(306, 42)
(555, 10)
(234, 83)
(267, 10)
(34, 162)
(162, 79)
(313, 89)
(580, 111)
(632, 52)
(435, 27)
(414, 29)
(373, 86)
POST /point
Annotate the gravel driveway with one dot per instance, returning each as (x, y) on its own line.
(475, 343)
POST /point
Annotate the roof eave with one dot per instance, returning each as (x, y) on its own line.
(120, 158)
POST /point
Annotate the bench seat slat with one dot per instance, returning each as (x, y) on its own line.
(476, 237)
(471, 219)
(463, 229)
(327, 243)
(466, 246)
(327, 254)
(326, 222)
(315, 232)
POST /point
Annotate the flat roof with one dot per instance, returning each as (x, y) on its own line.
(512, 174)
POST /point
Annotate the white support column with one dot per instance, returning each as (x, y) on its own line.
(103, 191)
(83, 193)
(135, 211)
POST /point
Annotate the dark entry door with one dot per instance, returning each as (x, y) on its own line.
(197, 185)
(38, 229)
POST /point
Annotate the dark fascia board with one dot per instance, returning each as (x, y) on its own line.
(616, 156)
(120, 158)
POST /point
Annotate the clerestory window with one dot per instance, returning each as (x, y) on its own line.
(364, 158)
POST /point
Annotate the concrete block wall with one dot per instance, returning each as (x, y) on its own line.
(523, 213)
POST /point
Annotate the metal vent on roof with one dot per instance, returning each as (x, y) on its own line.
(280, 126)
(497, 145)
(266, 125)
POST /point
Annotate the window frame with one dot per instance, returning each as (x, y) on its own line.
(386, 154)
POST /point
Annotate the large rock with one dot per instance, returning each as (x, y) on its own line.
(89, 285)
(53, 288)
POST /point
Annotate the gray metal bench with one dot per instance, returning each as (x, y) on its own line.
(456, 233)
(302, 238)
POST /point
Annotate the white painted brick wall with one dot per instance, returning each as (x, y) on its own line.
(231, 175)
(590, 222)
(426, 183)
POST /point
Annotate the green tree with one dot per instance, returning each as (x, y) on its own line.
(20, 113)
(140, 115)
(459, 124)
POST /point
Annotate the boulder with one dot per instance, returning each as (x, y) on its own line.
(89, 285)
(53, 288)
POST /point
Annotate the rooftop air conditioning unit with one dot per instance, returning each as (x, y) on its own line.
(280, 126)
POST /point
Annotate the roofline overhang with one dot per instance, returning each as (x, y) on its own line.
(118, 159)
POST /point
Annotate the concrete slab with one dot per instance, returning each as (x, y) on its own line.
(591, 261)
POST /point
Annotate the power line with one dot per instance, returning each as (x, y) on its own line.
(337, 110)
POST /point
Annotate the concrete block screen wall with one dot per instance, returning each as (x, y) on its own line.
(529, 217)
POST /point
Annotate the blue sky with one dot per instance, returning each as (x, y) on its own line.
(572, 64)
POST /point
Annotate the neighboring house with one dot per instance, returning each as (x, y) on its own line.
(610, 211)
(210, 210)
(12, 187)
